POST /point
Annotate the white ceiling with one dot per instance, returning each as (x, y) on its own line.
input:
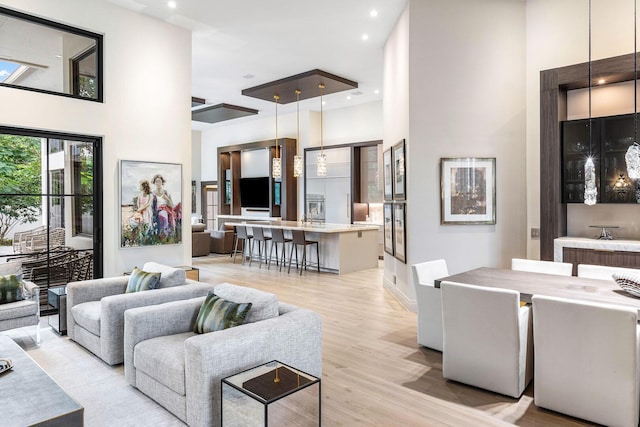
(274, 39)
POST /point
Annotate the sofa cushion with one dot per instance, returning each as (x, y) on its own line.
(264, 304)
(141, 280)
(170, 276)
(18, 309)
(162, 358)
(195, 228)
(10, 288)
(217, 314)
(87, 315)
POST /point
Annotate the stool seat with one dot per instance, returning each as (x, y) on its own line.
(299, 238)
(242, 234)
(277, 236)
(258, 236)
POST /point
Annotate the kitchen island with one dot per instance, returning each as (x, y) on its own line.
(344, 248)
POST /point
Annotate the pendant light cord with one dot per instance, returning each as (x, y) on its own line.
(276, 97)
(590, 77)
(298, 115)
(635, 75)
(321, 86)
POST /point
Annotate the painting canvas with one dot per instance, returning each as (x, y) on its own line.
(399, 165)
(150, 203)
(388, 228)
(399, 232)
(468, 188)
(387, 175)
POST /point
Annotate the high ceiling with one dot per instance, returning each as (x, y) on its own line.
(272, 39)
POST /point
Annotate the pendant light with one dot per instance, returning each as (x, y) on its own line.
(297, 159)
(590, 190)
(633, 152)
(322, 158)
(276, 168)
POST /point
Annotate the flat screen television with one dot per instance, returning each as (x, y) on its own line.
(254, 192)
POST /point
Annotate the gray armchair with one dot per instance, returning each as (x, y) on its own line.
(95, 308)
(182, 370)
(22, 313)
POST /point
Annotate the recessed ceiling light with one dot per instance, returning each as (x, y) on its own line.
(373, 13)
(172, 4)
(365, 36)
(58, 56)
(324, 102)
(248, 76)
(601, 81)
(376, 91)
(348, 97)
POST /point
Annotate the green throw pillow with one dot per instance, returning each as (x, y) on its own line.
(10, 288)
(142, 280)
(217, 314)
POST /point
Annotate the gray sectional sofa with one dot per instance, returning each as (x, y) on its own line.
(182, 370)
(95, 308)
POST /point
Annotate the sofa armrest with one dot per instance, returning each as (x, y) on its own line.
(91, 290)
(113, 309)
(144, 323)
(294, 338)
(32, 291)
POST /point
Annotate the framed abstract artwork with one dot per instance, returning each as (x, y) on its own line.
(150, 203)
(388, 228)
(399, 185)
(399, 232)
(387, 173)
(468, 190)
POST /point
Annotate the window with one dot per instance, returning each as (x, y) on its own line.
(46, 56)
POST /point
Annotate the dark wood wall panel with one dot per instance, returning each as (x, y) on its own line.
(591, 256)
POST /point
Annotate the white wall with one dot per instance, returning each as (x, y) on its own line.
(466, 98)
(344, 125)
(146, 114)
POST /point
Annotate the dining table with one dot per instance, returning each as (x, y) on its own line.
(530, 283)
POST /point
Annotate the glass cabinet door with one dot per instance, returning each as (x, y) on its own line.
(617, 136)
(575, 151)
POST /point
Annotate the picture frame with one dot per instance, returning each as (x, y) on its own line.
(193, 197)
(150, 203)
(387, 173)
(388, 228)
(399, 172)
(399, 232)
(468, 190)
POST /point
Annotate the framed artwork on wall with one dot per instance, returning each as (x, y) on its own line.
(399, 186)
(193, 197)
(399, 232)
(468, 190)
(150, 203)
(387, 174)
(388, 228)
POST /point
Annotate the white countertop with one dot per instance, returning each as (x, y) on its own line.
(317, 227)
(587, 243)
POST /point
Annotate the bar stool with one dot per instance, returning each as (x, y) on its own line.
(242, 234)
(299, 238)
(277, 236)
(258, 236)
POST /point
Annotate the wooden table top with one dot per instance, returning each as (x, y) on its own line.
(529, 284)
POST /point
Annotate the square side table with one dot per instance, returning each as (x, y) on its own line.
(58, 300)
(272, 394)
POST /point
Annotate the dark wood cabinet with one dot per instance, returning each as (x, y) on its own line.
(600, 257)
(283, 192)
(607, 145)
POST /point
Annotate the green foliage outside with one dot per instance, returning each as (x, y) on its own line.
(20, 173)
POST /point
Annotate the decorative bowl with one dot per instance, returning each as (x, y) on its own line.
(5, 365)
(629, 282)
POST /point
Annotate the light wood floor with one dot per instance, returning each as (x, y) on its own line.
(374, 373)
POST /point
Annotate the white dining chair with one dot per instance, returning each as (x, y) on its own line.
(536, 266)
(603, 272)
(586, 360)
(487, 338)
(429, 301)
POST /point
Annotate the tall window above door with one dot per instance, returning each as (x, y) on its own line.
(45, 56)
